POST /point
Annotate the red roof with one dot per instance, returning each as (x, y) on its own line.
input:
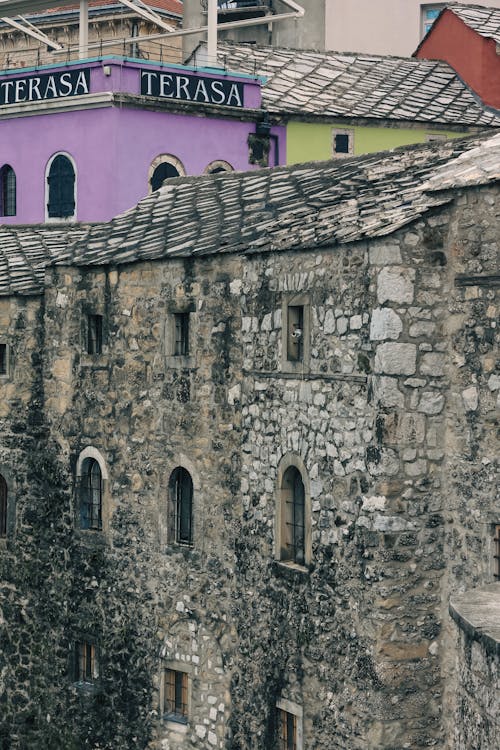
(169, 6)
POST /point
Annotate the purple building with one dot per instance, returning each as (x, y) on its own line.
(86, 140)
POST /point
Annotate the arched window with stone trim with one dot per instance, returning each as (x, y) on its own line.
(181, 507)
(293, 516)
(3, 507)
(163, 168)
(8, 196)
(91, 476)
(218, 166)
(61, 187)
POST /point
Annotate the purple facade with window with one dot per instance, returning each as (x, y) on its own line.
(87, 140)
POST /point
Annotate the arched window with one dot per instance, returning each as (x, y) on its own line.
(3, 507)
(293, 517)
(163, 168)
(216, 167)
(181, 506)
(7, 191)
(91, 491)
(61, 201)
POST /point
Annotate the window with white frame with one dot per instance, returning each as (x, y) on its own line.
(342, 142)
(61, 188)
(8, 197)
(163, 168)
(429, 14)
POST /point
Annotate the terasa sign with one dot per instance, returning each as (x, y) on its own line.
(45, 86)
(191, 88)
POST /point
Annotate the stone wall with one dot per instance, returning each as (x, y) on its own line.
(390, 419)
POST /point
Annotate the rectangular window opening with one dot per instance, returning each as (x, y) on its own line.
(176, 696)
(287, 730)
(295, 333)
(496, 554)
(3, 359)
(94, 334)
(181, 334)
(87, 665)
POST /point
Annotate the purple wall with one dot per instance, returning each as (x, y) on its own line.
(113, 147)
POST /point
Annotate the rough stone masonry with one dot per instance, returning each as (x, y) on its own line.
(389, 414)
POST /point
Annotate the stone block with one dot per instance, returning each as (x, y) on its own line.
(385, 324)
(470, 398)
(387, 393)
(431, 402)
(395, 285)
(433, 364)
(396, 359)
(384, 254)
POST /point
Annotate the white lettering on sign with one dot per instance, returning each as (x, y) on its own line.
(45, 86)
(191, 88)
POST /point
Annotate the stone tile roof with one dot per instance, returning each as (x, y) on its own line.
(485, 21)
(331, 84)
(174, 7)
(300, 207)
(475, 167)
(26, 251)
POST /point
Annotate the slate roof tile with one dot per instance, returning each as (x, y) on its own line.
(358, 85)
(485, 21)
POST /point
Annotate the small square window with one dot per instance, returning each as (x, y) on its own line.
(94, 334)
(176, 696)
(295, 333)
(181, 334)
(3, 359)
(343, 142)
(86, 662)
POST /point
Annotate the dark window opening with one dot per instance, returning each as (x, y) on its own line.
(3, 507)
(287, 730)
(61, 181)
(181, 506)
(94, 334)
(295, 333)
(496, 554)
(163, 171)
(176, 695)
(293, 517)
(7, 191)
(91, 495)
(181, 334)
(3, 359)
(342, 143)
(86, 662)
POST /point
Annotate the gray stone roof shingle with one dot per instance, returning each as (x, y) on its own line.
(300, 207)
(25, 252)
(331, 84)
(485, 21)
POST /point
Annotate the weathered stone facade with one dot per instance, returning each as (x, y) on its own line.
(391, 419)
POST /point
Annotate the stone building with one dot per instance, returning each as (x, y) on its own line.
(110, 24)
(249, 450)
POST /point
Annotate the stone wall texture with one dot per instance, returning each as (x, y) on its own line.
(392, 420)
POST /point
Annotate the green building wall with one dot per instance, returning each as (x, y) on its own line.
(308, 141)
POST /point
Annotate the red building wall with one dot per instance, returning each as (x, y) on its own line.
(473, 57)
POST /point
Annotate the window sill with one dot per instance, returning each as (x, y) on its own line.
(87, 688)
(177, 724)
(99, 361)
(91, 536)
(290, 569)
(180, 362)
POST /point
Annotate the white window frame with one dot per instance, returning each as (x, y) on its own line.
(424, 7)
(60, 219)
(343, 131)
(165, 159)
